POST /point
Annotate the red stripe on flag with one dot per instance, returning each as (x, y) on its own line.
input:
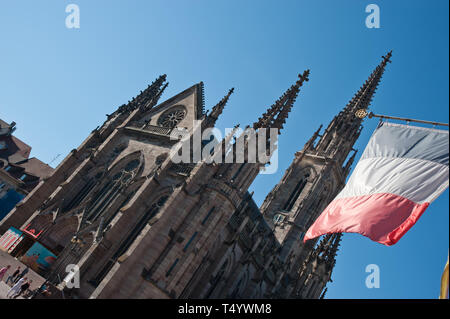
(384, 218)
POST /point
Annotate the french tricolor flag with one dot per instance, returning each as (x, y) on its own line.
(402, 170)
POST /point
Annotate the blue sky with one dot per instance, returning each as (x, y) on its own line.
(59, 83)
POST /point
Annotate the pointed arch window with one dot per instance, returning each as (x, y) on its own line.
(103, 192)
(76, 200)
(130, 239)
(296, 192)
(112, 189)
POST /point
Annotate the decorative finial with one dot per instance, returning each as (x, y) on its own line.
(387, 57)
(303, 77)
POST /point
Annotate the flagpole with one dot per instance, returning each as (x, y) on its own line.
(361, 113)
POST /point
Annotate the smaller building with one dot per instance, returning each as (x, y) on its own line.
(19, 173)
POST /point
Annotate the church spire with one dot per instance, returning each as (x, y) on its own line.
(218, 109)
(150, 96)
(326, 251)
(328, 248)
(343, 131)
(364, 96)
(147, 98)
(276, 115)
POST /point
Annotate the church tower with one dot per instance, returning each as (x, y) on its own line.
(316, 175)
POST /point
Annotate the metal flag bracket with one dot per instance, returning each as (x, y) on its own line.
(362, 113)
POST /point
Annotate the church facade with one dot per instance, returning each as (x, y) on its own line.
(139, 225)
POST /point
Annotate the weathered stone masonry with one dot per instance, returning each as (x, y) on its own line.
(140, 226)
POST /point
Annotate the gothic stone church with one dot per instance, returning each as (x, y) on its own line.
(140, 226)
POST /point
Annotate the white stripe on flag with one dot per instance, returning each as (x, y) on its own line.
(402, 170)
(418, 180)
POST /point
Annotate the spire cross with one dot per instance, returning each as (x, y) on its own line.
(387, 58)
(303, 77)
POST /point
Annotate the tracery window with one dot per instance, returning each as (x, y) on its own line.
(112, 189)
(172, 117)
(76, 200)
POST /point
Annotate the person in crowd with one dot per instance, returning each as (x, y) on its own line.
(23, 288)
(16, 288)
(12, 277)
(44, 290)
(23, 273)
(3, 271)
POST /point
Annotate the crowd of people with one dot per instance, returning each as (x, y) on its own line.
(19, 283)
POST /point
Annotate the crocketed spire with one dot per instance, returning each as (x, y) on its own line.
(276, 115)
(217, 110)
(147, 98)
(364, 96)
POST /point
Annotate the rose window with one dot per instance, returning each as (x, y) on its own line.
(171, 118)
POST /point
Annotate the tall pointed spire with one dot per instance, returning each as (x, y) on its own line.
(326, 250)
(343, 131)
(152, 102)
(150, 96)
(217, 109)
(276, 115)
(364, 96)
(147, 98)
